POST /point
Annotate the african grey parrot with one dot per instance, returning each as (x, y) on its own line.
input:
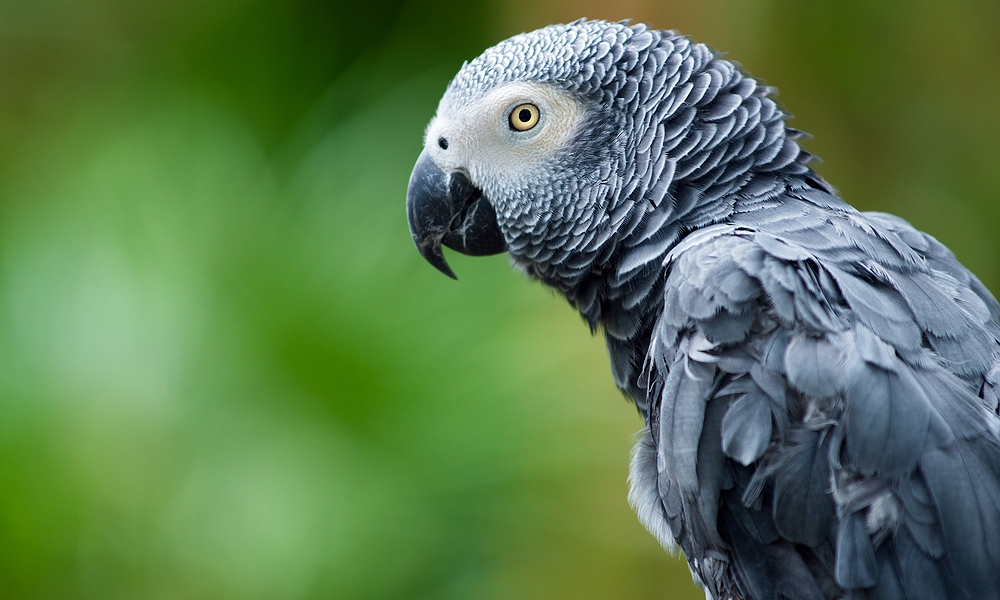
(819, 385)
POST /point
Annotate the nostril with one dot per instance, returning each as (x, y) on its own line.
(443, 143)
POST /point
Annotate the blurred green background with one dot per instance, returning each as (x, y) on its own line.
(226, 373)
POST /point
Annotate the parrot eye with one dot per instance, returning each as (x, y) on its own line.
(524, 117)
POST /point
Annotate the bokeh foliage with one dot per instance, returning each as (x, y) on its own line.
(226, 373)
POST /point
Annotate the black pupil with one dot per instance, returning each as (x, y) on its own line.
(524, 115)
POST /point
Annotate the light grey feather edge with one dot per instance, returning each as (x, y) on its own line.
(643, 495)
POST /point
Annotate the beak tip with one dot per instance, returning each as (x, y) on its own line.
(444, 268)
(432, 253)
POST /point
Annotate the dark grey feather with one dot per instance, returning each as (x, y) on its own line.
(886, 420)
(746, 428)
(803, 506)
(856, 567)
(921, 576)
(962, 482)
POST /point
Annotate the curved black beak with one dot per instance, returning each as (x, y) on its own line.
(448, 209)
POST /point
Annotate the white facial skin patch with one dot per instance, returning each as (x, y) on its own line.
(480, 140)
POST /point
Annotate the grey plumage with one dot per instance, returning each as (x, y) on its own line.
(820, 386)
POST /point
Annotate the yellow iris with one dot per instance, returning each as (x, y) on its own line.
(524, 117)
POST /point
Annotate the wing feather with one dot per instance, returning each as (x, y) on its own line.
(813, 384)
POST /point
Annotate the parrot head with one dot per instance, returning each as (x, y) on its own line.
(515, 142)
(587, 150)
